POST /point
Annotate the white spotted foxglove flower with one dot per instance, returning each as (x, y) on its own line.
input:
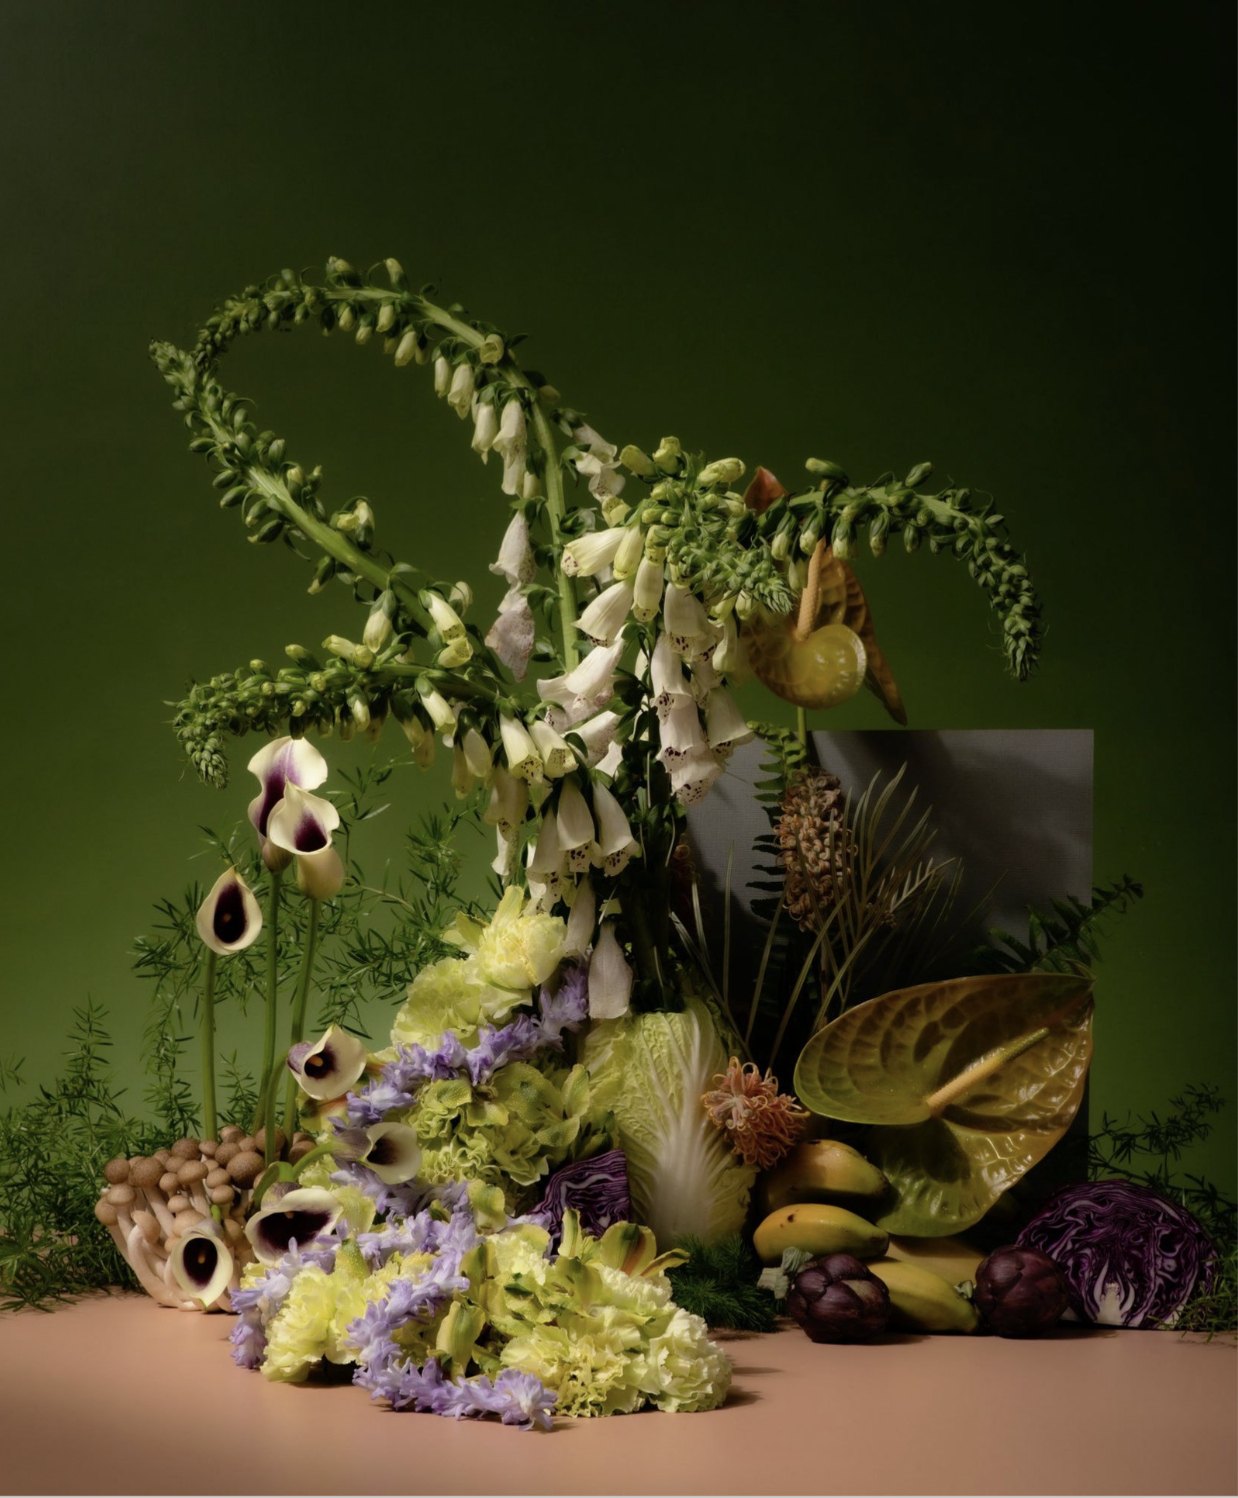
(628, 557)
(606, 614)
(693, 775)
(442, 376)
(392, 1153)
(680, 731)
(610, 977)
(575, 824)
(516, 561)
(485, 428)
(229, 919)
(302, 824)
(442, 715)
(725, 726)
(514, 633)
(582, 920)
(201, 1264)
(477, 755)
(512, 446)
(587, 687)
(327, 1068)
(592, 553)
(509, 800)
(297, 1218)
(463, 781)
(548, 860)
(647, 589)
(687, 623)
(523, 760)
(598, 463)
(615, 846)
(460, 396)
(666, 677)
(282, 762)
(730, 658)
(449, 624)
(598, 734)
(558, 756)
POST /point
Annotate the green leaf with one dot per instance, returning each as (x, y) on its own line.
(974, 1079)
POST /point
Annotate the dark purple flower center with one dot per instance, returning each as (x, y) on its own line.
(384, 1151)
(228, 922)
(309, 836)
(318, 1065)
(281, 1228)
(199, 1260)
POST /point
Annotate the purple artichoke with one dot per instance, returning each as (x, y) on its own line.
(1131, 1258)
(1020, 1292)
(838, 1299)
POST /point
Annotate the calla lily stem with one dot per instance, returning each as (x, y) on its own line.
(209, 1124)
(298, 1012)
(266, 1093)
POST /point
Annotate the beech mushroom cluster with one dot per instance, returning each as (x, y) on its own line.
(178, 1216)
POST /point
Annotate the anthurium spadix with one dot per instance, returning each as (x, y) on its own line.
(281, 763)
(201, 1265)
(302, 824)
(299, 1217)
(327, 1068)
(229, 919)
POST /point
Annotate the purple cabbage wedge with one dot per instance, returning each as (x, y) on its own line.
(1131, 1258)
(596, 1188)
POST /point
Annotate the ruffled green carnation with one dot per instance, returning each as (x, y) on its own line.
(451, 994)
(517, 950)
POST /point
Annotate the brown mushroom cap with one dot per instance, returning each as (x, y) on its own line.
(145, 1172)
(207, 1147)
(188, 1148)
(235, 1230)
(260, 1141)
(122, 1195)
(226, 1151)
(162, 1155)
(177, 1203)
(106, 1212)
(218, 1177)
(188, 1219)
(230, 1133)
(149, 1224)
(300, 1135)
(246, 1167)
(192, 1170)
(168, 1183)
(247, 1142)
(116, 1172)
(299, 1148)
(222, 1195)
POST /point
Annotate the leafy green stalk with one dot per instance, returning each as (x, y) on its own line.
(209, 1120)
(297, 1033)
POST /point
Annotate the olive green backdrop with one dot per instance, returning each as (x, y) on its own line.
(997, 237)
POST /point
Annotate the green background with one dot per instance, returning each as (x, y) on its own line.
(997, 237)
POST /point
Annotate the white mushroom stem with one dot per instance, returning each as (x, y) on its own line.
(135, 1252)
(119, 1239)
(159, 1206)
(198, 1197)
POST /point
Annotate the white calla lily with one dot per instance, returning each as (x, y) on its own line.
(328, 1067)
(201, 1264)
(299, 1217)
(394, 1155)
(610, 977)
(302, 824)
(229, 919)
(282, 762)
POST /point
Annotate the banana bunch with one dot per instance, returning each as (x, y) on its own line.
(814, 1201)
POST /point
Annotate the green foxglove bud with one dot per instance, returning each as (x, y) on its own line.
(918, 474)
(395, 274)
(359, 710)
(271, 531)
(637, 462)
(724, 471)
(378, 627)
(365, 330)
(823, 468)
(668, 455)
(386, 317)
(810, 535)
(877, 533)
(911, 537)
(492, 349)
(406, 349)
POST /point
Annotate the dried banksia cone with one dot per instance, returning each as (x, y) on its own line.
(815, 845)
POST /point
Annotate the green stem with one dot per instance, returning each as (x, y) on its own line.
(209, 1119)
(298, 1013)
(267, 1090)
(801, 726)
(556, 511)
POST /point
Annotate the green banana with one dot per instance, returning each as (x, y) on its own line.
(821, 1170)
(817, 1228)
(921, 1301)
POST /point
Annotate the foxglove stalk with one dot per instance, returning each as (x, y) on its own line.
(610, 977)
(282, 762)
(615, 846)
(606, 615)
(302, 824)
(229, 919)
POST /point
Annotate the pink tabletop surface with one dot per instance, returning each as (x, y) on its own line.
(115, 1395)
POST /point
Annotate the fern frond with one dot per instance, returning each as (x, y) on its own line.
(1059, 941)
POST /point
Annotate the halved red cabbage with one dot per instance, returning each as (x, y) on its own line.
(1131, 1258)
(597, 1188)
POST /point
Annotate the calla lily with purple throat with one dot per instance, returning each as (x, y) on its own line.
(297, 1218)
(393, 1153)
(302, 824)
(229, 919)
(202, 1266)
(283, 762)
(327, 1068)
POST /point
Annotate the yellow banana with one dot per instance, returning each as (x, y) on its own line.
(951, 1258)
(818, 1229)
(821, 1170)
(921, 1301)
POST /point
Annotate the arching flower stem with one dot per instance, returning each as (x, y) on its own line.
(267, 1091)
(297, 1033)
(209, 1122)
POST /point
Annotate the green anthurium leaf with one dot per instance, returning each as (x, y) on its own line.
(974, 1079)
